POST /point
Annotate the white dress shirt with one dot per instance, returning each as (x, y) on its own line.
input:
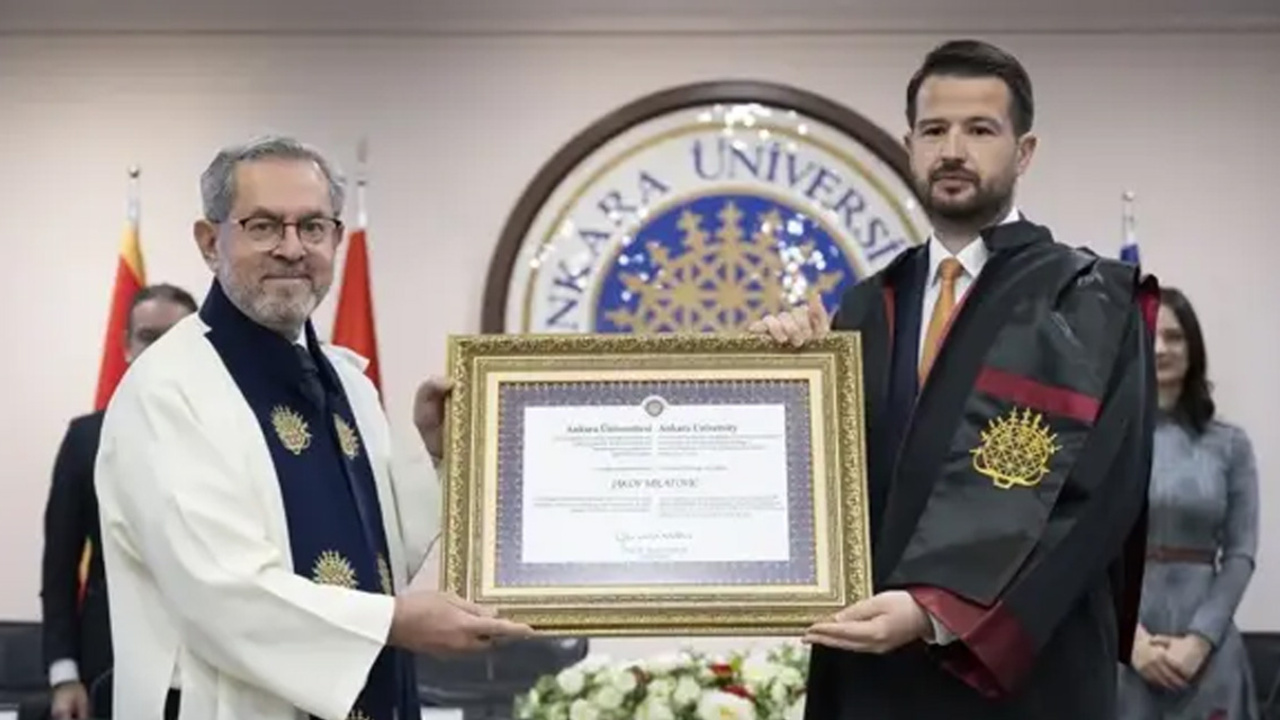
(62, 671)
(972, 259)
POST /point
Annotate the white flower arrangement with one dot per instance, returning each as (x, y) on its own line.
(766, 684)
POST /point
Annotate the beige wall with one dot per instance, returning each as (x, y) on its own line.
(458, 126)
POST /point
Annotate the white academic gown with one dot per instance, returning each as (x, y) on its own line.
(201, 585)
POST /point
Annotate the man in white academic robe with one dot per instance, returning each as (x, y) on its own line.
(260, 535)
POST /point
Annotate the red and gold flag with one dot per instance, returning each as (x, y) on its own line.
(130, 277)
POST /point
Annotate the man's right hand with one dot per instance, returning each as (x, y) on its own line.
(438, 622)
(70, 702)
(795, 327)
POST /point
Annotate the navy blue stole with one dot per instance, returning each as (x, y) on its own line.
(326, 482)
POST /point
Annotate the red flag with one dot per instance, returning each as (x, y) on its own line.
(353, 325)
(130, 278)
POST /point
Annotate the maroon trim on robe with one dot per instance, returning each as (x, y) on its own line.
(1149, 300)
(1038, 396)
(991, 653)
(888, 306)
(1134, 557)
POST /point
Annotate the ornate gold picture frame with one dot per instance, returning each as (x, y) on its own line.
(690, 484)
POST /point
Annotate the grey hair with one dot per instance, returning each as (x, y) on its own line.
(217, 183)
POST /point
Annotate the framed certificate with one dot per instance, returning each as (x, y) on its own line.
(656, 484)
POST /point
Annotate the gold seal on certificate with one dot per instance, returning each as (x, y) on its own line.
(656, 484)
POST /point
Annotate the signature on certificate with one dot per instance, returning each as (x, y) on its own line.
(654, 545)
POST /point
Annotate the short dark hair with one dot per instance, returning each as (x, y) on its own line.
(161, 291)
(1195, 403)
(974, 58)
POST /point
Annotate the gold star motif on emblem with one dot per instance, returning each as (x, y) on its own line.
(291, 428)
(724, 280)
(333, 569)
(347, 438)
(384, 574)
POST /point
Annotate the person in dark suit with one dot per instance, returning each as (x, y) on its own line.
(77, 637)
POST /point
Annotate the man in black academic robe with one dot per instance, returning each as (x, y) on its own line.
(1008, 467)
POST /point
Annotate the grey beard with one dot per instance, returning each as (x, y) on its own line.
(270, 313)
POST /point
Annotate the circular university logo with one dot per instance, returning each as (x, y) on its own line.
(700, 209)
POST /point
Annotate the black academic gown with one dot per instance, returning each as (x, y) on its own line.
(1007, 494)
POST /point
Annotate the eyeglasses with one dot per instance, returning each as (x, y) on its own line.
(268, 231)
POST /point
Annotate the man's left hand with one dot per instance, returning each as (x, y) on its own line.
(880, 624)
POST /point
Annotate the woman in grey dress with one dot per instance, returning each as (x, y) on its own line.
(1189, 661)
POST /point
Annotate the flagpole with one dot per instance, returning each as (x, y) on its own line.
(362, 175)
(1129, 228)
(1128, 220)
(134, 210)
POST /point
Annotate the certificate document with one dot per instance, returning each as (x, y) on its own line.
(612, 482)
(636, 485)
(699, 483)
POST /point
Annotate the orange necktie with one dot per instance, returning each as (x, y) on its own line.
(949, 269)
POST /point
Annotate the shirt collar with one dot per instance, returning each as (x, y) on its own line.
(972, 257)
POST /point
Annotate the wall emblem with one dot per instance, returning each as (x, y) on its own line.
(700, 209)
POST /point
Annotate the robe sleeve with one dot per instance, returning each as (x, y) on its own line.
(1086, 531)
(417, 487)
(174, 500)
(413, 472)
(1239, 543)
